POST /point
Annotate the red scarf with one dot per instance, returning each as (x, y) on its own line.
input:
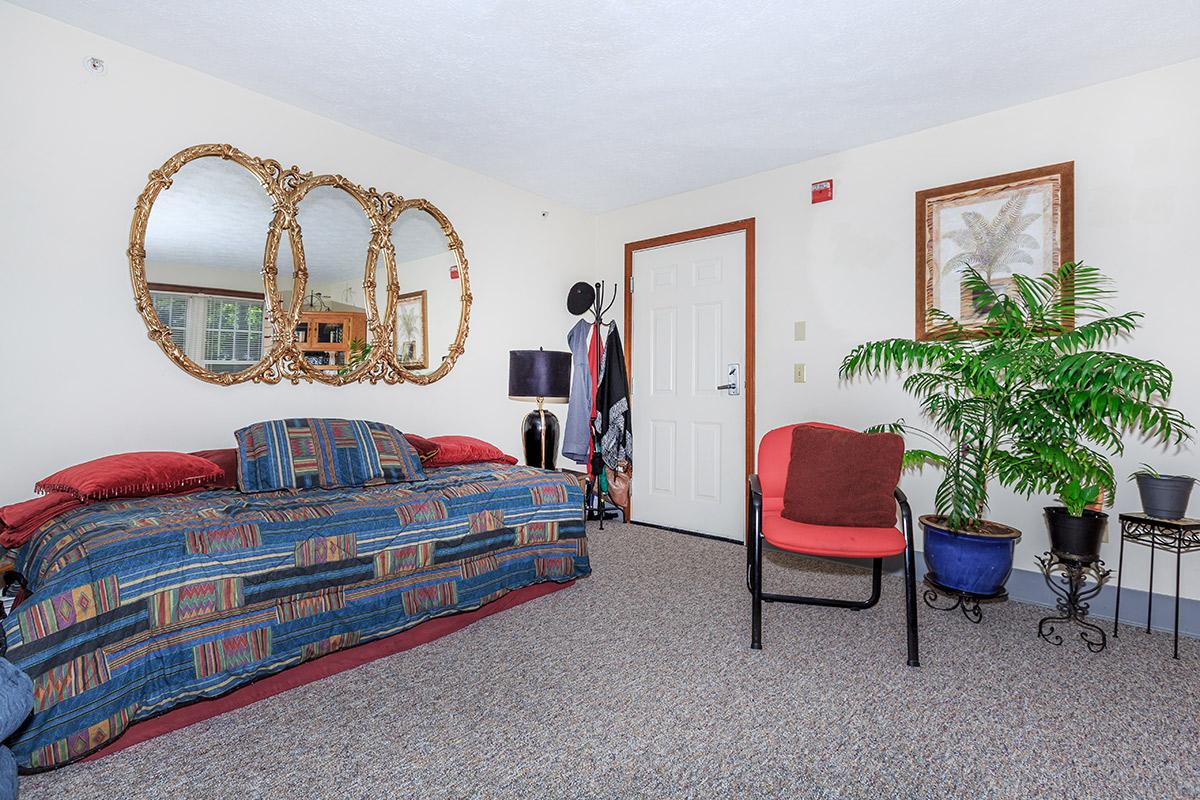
(595, 353)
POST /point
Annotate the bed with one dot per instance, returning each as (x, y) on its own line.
(138, 606)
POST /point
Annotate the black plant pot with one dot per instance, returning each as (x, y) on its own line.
(1076, 538)
(1165, 496)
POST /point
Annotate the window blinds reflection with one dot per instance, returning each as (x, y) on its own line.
(225, 334)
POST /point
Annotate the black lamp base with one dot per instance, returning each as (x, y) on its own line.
(539, 432)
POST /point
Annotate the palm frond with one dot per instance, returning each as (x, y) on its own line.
(1037, 404)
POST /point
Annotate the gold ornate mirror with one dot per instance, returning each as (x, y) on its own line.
(196, 257)
(243, 271)
(336, 224)
(430, 320)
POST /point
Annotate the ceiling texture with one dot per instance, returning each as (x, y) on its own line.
(602, 104)
(215, 215)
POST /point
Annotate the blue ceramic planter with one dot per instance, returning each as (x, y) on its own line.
(969, 562)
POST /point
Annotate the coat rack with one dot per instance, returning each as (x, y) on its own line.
(601, 308)
(593, 299)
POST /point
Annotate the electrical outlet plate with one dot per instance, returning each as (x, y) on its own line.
(801, 333)
(798, 373)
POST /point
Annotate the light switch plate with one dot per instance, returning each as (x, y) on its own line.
(798, 371)
(800, 332)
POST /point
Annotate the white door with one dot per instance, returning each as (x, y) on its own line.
(689, 335)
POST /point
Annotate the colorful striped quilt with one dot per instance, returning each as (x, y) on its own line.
(141, 605)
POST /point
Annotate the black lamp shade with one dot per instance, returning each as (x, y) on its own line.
(539, 373)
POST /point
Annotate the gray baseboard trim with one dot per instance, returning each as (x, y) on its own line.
(1029, 586)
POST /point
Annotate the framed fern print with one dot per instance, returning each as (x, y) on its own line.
(1017, 223)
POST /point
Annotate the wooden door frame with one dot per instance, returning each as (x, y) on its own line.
(747, 227)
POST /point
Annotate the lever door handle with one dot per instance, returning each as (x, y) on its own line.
(735, 375)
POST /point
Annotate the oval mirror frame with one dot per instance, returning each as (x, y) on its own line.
(296, 368)
(267, 173)
(285, 361)
(454, 245)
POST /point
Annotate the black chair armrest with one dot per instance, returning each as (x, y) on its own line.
(756, 495)
(905, 512)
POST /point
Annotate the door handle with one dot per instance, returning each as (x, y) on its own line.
(735, 371)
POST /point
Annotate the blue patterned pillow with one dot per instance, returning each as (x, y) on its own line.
(323, 453)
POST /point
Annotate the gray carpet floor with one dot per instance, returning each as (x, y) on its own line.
(638, 682)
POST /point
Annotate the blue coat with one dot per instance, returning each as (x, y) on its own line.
(578, 436)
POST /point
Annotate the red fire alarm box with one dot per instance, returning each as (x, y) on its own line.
(454, 272)
(822, 191)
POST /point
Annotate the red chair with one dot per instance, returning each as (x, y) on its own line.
(765, 526)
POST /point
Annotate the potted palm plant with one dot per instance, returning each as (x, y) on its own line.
(1027, 401)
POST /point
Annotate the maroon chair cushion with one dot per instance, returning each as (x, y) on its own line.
(841, 477)
(132, 475)
(227, 459)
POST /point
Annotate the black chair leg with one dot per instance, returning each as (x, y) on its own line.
(756, 591)
(876, 582)
(910, 595)
(856, 605)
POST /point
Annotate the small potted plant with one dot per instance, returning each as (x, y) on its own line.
(1163, 496)
(1030, 402)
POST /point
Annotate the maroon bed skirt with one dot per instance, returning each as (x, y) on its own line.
(319, 668)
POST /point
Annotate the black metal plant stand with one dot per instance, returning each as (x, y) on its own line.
(1176, 536)
(968, 602)
(1074, 595)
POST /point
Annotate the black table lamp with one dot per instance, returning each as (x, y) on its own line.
(540, 375)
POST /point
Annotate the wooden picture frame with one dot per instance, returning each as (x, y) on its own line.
(1019, 222)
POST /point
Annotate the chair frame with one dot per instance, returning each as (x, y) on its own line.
(755, 543)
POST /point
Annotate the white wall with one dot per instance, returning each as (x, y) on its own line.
(81, 378)
(241, 280)
(846, 266)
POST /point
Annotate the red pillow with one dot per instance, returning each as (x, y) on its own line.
(466, 450)
(424, 447)
(132, 475)
(227, 459)
(838, 477)
(19, 521)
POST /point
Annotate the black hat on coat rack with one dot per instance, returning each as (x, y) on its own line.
(585, 297)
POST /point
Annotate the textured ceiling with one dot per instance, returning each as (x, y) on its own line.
(606, 103)
(215, 216)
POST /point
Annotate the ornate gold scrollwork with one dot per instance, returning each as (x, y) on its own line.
(285, 360)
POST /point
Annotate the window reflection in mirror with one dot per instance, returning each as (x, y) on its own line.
(204, 250)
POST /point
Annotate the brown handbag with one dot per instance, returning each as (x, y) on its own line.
(618, 486)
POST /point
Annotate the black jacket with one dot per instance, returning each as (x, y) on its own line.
(613, 423)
